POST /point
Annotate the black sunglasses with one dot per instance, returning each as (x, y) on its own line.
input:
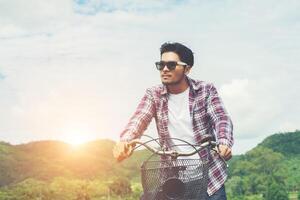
(171, 65)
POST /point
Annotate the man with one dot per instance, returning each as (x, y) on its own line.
(183, 108)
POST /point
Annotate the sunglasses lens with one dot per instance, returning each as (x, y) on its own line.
(171, 65)
(159, 65)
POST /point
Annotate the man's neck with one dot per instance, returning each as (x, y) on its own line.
(178, 88)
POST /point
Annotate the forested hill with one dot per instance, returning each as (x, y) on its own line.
(273, 165)
(269, 171)
(287, 144)
(45, 160)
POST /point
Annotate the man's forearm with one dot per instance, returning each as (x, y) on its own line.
(140, 120)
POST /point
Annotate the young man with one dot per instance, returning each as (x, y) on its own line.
(183, 108)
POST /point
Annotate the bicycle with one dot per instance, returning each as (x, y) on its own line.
(174, 178)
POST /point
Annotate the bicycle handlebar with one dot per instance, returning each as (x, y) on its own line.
(174, 153)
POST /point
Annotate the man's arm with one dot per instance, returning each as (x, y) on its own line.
(136, 126)
(221, 122)
(141, 118)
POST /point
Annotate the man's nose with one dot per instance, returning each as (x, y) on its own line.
(165, 68)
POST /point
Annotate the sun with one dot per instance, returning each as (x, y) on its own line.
(77, 136)
(76, 140)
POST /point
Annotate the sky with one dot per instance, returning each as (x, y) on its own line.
(76, 70)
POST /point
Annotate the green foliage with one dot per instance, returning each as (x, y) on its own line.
(276, 191)
(260, 171)
(292, 174)
(59, 189)
(59, 171)
(120, 187)
(271, 169)
(54, 170)
(5, 147)
(256, 168)
(236, 186)
(245, 197)
(45, 160)
(25, 190)
(284, 143)
(264, 160)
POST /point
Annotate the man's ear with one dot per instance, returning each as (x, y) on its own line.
(187, 70)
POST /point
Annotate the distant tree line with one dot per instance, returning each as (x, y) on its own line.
(50, 170)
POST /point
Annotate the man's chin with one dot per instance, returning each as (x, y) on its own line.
(167, 83)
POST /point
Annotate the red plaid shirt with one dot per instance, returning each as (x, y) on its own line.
(208, 117)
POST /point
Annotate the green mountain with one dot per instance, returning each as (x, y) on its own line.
(271, 168)
(44, 160)
(91, 169)
(287, 144)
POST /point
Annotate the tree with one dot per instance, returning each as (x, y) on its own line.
(120, 186)
(265, 160)
(235, 186)
(276, 191)
(292, 173)
(27, 190)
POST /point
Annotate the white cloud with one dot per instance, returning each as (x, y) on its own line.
(260, 107)
(250, 107)
(26, 18)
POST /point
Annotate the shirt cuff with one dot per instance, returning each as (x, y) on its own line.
(224, 141)
(127, 137)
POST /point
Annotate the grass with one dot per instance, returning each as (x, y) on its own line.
(293, 195)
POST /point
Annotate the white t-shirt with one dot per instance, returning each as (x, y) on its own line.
(180, 122)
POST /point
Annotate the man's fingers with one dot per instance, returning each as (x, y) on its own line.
(127, 149)
(222, 150)
(225, 152)
(122, 150)
(119, 148)
(228, 157)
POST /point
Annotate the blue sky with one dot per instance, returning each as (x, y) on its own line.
(68, 67)
(92, 7)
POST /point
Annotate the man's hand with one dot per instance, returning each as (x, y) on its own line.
(225, 152)
(122, 150)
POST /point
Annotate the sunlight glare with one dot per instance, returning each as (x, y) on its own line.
(77, 136)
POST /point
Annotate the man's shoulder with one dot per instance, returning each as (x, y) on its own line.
(156, 90)
(200, 85)
(157, 87)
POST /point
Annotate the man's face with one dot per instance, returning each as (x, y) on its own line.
(171, 77)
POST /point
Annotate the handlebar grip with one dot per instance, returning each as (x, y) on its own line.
(134, 142)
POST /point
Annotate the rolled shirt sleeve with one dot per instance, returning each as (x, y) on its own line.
(220, 119)
(140, 119)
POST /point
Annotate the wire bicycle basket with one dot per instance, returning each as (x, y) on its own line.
(174, 178)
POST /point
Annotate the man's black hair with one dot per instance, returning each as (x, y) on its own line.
(185, 54)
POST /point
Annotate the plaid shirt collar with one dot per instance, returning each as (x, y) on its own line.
(193, 86)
